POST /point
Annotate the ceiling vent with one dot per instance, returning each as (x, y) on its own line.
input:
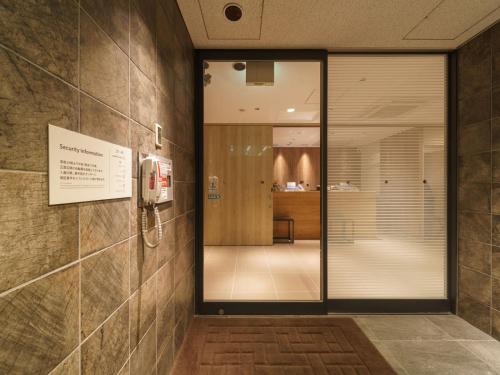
(260, 73)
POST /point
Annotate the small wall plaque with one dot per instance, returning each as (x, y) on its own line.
(83, 168)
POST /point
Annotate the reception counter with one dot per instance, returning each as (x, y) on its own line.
(304, 208)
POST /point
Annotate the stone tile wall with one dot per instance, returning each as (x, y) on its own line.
(479, 181)
(78, 291)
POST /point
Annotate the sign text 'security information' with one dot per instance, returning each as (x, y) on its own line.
(83, 168)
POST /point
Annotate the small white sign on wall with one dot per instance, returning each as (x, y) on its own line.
(83, 168)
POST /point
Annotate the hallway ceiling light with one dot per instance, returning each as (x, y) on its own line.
(233, 12)
(239, 66)
(290, 110)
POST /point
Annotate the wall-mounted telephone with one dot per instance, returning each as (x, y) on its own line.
(156, 187)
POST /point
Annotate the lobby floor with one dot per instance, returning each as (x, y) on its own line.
(432, 344)
(260, 273)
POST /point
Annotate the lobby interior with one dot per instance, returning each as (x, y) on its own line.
(328, 193)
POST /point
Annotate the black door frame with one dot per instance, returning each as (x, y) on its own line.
(271, 307)
(339, 305)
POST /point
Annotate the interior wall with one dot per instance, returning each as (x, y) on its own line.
(240, 157)
(479, 181)
(297, 164)
(78, 292)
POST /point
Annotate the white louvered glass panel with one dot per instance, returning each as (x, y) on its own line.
(387, 176)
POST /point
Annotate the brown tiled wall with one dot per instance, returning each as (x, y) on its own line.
(78, 292)
(479, 181)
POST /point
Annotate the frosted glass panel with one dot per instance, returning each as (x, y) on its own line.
(387, 177)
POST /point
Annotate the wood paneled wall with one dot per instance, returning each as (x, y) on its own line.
(241, 158)
(297, 164)
(304, 208)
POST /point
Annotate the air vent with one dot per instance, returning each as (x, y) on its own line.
(260, 73)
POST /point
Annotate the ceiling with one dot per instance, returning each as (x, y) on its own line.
(296, 136)
(340, 25)
(228, 100)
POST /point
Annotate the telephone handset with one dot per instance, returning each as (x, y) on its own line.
(157, 188)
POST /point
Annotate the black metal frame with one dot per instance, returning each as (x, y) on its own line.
(271, 307)
(325, 306)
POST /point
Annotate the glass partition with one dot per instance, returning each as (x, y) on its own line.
(387, 177)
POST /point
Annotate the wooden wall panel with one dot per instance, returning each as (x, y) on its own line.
(304, 208)
(241, 157)
(296, 164)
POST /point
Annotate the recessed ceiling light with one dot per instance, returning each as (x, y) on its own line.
(257, 108)
(241, 109)
(290, 110)
(239, 66)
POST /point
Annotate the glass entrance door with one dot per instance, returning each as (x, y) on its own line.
(262, 248)
(387, 177)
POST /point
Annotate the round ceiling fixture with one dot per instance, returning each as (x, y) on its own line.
(233, 12)
(239, 66)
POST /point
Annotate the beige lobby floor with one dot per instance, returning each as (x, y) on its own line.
(263, 273)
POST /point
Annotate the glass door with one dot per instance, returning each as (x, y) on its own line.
(387, 170)
(261, 193)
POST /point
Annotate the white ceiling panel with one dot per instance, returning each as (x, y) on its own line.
(451, 18)
(340, 25)
(218, 27)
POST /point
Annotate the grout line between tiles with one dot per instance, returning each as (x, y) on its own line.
(136, 193)
(234, 274)
(474, 354)
(104, 321)
(79, 211)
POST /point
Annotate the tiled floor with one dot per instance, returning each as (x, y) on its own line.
(278, 272)
(432, 344)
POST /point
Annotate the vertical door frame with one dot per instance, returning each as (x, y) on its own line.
(271, 307)
(346, 306)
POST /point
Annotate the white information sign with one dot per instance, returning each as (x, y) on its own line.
(83, 168)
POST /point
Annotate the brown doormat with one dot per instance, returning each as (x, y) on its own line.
(284, 346)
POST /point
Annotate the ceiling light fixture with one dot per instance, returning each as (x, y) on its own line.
(233, 12)
(290, 110)
(239, 66)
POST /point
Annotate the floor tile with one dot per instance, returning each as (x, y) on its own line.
(435, 357)
(289, 282)
(389, 357)
(217, 295)
(220, 264)
(253, 282)
(255, 296)
(298, 296)
(219, 281)
(488, 351)
(402, 327)
(253, 268)
(458, 328)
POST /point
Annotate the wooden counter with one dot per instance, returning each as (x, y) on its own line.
(304, 208)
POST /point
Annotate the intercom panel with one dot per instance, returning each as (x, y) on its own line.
(157, 180)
